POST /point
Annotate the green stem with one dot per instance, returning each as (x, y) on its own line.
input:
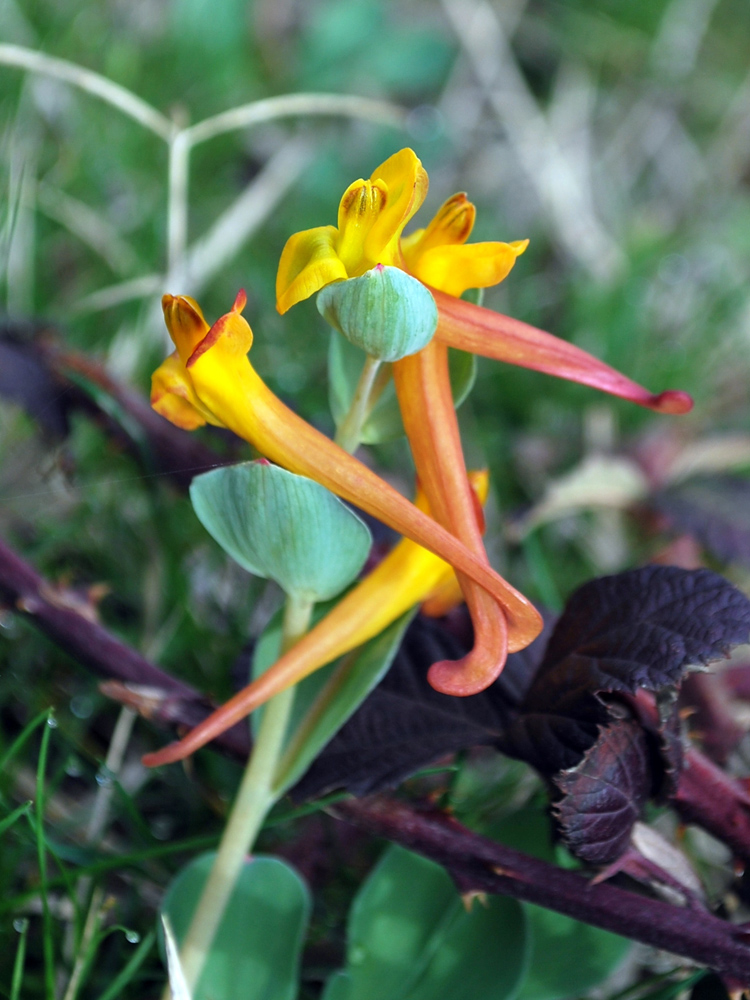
(349, 431)
(312, 717)
(254, 798)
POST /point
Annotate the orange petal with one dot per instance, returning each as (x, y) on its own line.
(447, 593)
(185, 323)
(424, 394)
(492, 335)
(173, 396)
(229, 388)
(400, 581)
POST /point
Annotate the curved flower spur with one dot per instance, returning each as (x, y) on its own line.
(372, 216)
(407, 576)
(209, 379)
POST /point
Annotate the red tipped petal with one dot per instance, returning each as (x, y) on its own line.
(492, 335)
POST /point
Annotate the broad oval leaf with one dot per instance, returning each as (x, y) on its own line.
(338, 987)
(410, 937)
(567, 958)
(283, 527)
(256, 951)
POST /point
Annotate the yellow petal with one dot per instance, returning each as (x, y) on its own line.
(309, 261)
(185, 323)
(406, 575)
(407, 182)
(453, 269)
(362, 205)
(230, 336)
(452, 225)
(173, 396)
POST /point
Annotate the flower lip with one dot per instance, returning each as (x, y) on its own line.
(231, 324)
(185, 322)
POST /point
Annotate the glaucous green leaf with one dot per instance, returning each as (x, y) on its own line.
(410, 937)
(256, 952)
(283, 527)
(338, 987)
(384, 423)
(568, 958)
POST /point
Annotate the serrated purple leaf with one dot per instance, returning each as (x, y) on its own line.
(640, 629)
(604, 794)
(405, 724)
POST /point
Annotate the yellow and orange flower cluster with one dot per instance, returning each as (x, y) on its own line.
(210, 379)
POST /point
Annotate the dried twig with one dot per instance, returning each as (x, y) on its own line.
(56, 615)
(559, 186)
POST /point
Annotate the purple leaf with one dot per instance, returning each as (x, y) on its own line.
(602, 797)
(405, 725)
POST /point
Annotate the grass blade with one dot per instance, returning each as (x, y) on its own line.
(15, 988)
(8, 822)
(124, 977)
(48, 944)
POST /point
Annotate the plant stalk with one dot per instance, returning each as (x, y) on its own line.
(254, 799)
(349, 431)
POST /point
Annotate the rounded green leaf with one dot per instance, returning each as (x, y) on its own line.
(282, 527)
(385, 312)
(410, 937)
(338, 987)
(568, 958)
(256, 952)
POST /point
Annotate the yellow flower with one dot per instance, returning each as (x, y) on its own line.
(408, 575)
(213, 380)
(372, 216)
(440, 257)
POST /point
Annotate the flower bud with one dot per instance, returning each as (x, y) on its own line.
(386, 312)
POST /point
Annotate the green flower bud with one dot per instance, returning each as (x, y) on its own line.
(386, 312)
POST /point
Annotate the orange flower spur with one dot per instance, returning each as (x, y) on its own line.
(407, 576)
(209, 379)
(440, 257)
